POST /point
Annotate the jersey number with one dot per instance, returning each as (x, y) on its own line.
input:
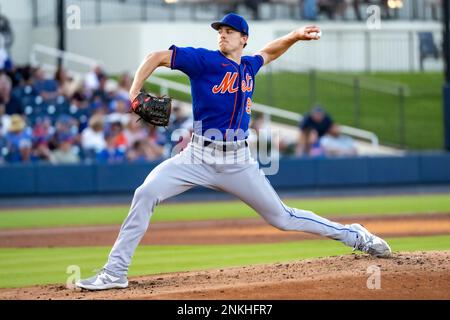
(248, 107)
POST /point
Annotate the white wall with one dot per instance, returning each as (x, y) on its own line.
(122, 46)
(352, 47)
(19, 14)
(342, 47)
(116, 46)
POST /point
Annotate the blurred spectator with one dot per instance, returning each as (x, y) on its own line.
(3, 146)
(310, 9)
(178, 121)
(92, 138)
(111, 153)
(156, 141)
(315, 125)
(331, 8)
(434, 5)
(312, 142)
(385, 7)
(263, 136)
(140, 152)
(65, 125)
(12, 104)
(134, 131)
(258, 122)
(75, 129)
(100, 99)
(334, 143)
(46, 88)
(125, 82)
(43, 129)
(92, 79)
(356, 4)
(18, 141)
(40, 150)
(79, 108)
(66, 153)
(22, 79)
(5, 60)
(119, 108)
(5, 120)
(252, 5)
(120, 139)
(67, 86)
(100, 94)
(97, 107)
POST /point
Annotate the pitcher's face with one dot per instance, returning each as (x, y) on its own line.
(230, 40)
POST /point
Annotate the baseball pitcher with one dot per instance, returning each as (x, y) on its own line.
(218, 156)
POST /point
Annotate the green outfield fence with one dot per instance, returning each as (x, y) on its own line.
(403, 109)
(350, 99)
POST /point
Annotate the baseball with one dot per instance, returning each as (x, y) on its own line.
(317, 34)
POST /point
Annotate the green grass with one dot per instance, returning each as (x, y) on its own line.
(32, 266)
(387, 205)
(379, 111)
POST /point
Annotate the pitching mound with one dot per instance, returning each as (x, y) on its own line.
(417, 275)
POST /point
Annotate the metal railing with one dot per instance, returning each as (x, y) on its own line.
(268, 111)
(75, 60)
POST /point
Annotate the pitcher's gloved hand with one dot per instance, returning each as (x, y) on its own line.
(151, 109)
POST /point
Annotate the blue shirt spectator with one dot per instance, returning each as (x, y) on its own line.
(316, 124)
(46, 88)
(18, 141)
(14, 106)
(318, 120)
(111, 154)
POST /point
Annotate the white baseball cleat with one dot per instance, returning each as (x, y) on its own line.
(103, 281)
(370, 243)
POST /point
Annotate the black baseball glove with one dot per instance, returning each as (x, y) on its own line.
(151, 109)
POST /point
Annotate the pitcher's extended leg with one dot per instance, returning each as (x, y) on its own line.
(252, 187)
(168, 179)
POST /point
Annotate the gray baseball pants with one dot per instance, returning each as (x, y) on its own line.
(232, 171)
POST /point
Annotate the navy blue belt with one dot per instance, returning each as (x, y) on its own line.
(223, 147)
(219, 145)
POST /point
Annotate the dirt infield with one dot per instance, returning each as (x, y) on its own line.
(217, 232)
(417, 275)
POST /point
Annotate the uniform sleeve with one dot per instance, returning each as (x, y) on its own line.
(188, 60)
(256, 62)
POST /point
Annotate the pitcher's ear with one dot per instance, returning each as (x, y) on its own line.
(246, 39)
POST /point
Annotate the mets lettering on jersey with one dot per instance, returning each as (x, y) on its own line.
(221, 89)
(228, 84)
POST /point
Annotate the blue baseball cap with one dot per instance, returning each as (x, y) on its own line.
(234, 21)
